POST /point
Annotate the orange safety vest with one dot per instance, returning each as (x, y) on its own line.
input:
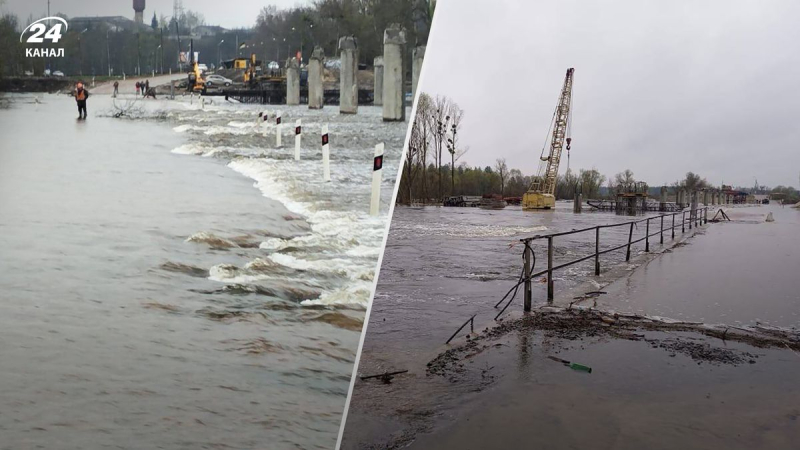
(80, 95)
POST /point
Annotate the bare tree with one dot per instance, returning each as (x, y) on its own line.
(439, 124)
(416, 155)
(624, 178)
(501, 168)
(456, 116)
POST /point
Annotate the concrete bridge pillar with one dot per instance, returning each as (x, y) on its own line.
(705, 197)
(394, 74)
(577, 202)
(662, 201)
(378, 89)
(348, 75)
(693, 212)
(292, 82)
(316, 92)
(416, 67)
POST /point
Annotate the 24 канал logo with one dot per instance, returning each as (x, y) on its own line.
(39, 34)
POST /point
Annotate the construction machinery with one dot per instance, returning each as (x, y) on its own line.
(250, 72)
(541, 194)
(196, 81)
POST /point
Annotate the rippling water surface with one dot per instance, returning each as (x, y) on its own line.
(172, 280)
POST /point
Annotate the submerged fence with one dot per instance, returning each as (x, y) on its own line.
(697, 216)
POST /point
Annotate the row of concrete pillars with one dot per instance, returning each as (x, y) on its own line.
(390, 76)
(707, 196)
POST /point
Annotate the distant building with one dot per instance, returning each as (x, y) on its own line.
(115, 23)
(208, 30)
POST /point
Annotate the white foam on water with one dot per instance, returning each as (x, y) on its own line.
(345, 242)
(354, 294)
(190, 149)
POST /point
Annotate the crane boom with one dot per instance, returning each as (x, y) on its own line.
(541, 194)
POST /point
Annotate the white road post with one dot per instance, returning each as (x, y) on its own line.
(278, 129)
(377, 172)
(297, 136)
(326, 155)
(265, 120)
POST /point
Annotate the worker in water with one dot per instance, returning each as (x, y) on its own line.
(116, 88)
(146, 86)
(81, 94)
(138, 85)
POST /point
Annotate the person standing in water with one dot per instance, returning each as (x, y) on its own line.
(81, 94)
(116, 88)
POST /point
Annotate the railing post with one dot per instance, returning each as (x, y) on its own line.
(673, 226)
(597, 251)
(550, 269)
(527, 286)
(691, 218)
(683, 221)
(662, 230)
(705, 216)
(647, 236)
(630, 237)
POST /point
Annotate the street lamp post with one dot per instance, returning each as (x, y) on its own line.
(80, 49)
(138, 57)
(219, 56)
(108, 53)
(162, 50)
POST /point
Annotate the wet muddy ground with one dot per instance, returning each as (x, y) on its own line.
(512, 383)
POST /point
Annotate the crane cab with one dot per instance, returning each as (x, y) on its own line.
(532, 200)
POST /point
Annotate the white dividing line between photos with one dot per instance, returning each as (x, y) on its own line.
(385, 237)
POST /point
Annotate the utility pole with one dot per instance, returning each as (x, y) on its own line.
(162, 50)
(138, 57)
(178, 35)
(108, 53)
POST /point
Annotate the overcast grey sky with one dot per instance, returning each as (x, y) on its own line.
(661, 87)
(234, 14)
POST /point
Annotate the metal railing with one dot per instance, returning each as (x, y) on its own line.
(697, 217)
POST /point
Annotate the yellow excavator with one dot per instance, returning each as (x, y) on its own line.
(541, 194)
(250, 72)
(196, 81)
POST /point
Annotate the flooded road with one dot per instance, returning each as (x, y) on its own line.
(153, 299)
(443, 265)
(737, 273)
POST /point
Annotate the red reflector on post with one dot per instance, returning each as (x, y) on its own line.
(378, 163)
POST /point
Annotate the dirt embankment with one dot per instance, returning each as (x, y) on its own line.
(576, 323)
(34, 84)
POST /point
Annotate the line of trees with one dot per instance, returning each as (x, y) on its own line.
(428, 176)
(275, 34)
(432, 172)
(325, 21)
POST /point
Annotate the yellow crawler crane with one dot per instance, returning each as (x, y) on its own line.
(541, 194)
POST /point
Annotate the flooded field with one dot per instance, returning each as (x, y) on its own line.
(171, 280)
(444, 264)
